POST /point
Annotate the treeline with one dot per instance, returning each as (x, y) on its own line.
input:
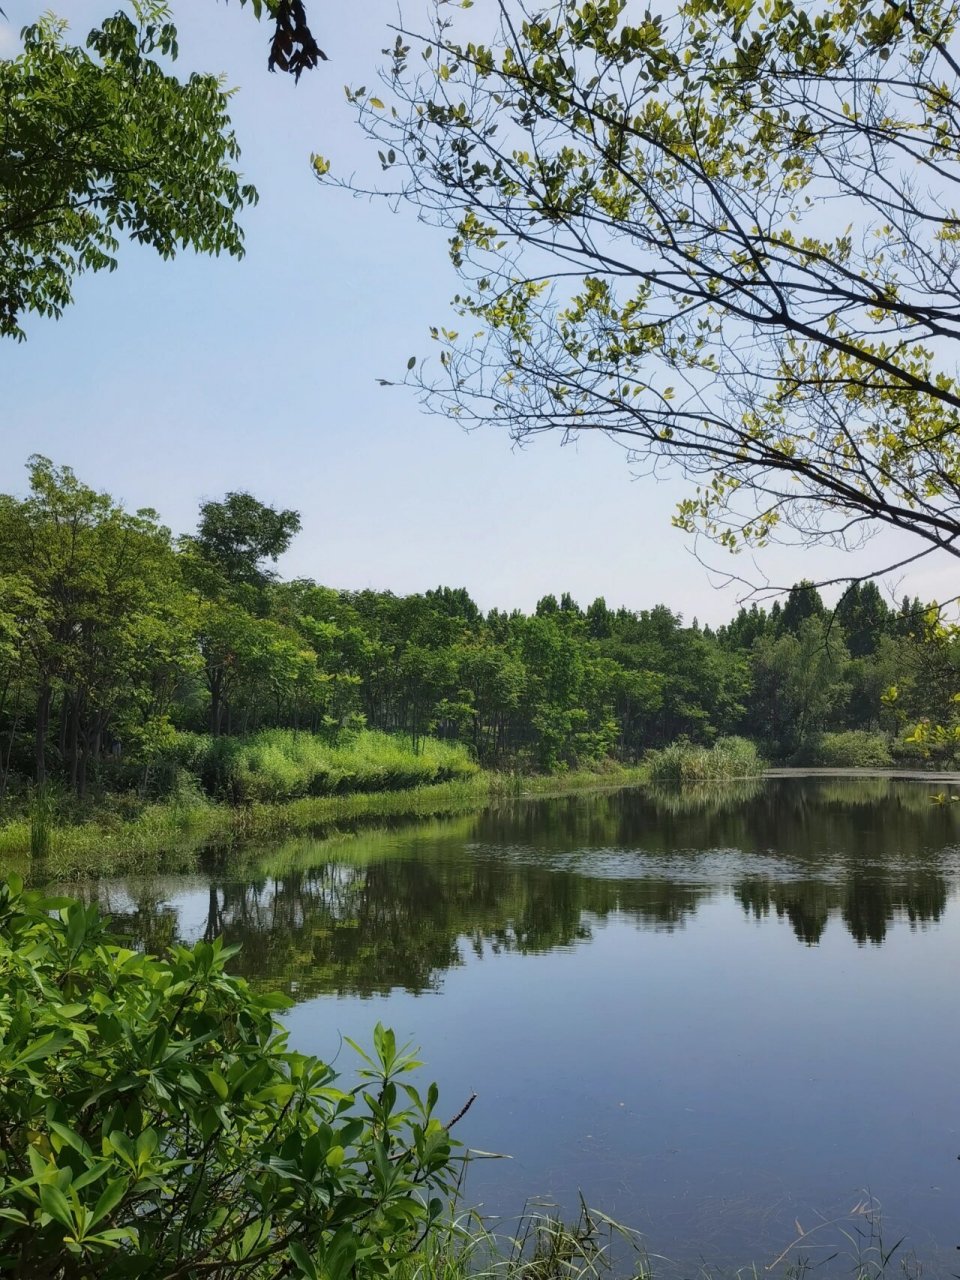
(116, 637)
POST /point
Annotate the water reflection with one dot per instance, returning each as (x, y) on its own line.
(398, 909)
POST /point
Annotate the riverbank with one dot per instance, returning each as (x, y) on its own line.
(117, 839)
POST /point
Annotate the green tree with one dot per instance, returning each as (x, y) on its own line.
(797, 684)
(237, 535)
(103, 142)
(721, 234)
(865, 618)
(101, 579)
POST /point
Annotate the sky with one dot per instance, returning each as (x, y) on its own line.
(169, 383)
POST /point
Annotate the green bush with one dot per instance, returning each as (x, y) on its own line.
(686, 762)
(154, 1123)
(928, 754)
(280, 764)
(853, 749)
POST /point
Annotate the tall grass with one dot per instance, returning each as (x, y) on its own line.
(119, 837)
(687, 762)
(540, 1246)
(41, 822)
(280, 764)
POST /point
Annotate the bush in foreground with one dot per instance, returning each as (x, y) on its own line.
(154, 1123)
(687, 762)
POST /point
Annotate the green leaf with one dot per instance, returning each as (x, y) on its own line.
(110, 1197)
(54, 1202)
(302, 1259)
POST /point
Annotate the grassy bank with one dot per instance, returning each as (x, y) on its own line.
(117, 838)
(279, 764)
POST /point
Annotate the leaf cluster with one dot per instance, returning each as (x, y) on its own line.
(155, 1123)
(103, 142)
(726, 235)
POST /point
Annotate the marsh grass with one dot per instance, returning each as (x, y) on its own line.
(539, 1246)
(122, 835)
(41, 822)
(610, 774)
(542, 1246)
(280, 764)
(683, 762)
(852, 749)
(169, 837)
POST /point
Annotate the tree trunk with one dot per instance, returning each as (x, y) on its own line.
(40, 733)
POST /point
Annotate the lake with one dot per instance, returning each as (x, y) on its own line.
(722, 1014)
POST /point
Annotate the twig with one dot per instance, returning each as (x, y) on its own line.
(463, 1110)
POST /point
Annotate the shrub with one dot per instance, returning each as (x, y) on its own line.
(154, 1123)
(927, 754)
(853, 749)
(686, 762)
(280, 764)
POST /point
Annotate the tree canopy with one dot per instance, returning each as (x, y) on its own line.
(122, 646)
(725, 235)
(102, 141)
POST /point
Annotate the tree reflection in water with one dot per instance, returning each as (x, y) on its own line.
(396, 909)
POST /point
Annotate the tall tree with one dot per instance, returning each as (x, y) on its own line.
(102, 141)
(236, 536)
(98, 577)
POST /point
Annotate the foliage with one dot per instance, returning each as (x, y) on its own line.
(686, 762)
(123, 650)
(717, 233)
(156, 1123)
(852, 749)
(278, 764)
(103, 141)
(236, 535)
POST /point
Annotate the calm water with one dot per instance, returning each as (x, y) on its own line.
(718, 1014)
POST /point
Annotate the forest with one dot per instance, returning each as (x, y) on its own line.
(135, 660)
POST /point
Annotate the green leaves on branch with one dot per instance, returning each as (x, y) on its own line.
(154, 1122)
(722, 234)
(102, 142)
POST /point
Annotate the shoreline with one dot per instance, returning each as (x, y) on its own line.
(172, 833)
(169, 834)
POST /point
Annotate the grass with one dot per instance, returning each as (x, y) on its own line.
(41, 822)
(279, 764)
(542, 1246)
(684, 762)
(122, 834)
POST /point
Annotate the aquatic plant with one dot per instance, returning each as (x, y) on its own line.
(687, 762)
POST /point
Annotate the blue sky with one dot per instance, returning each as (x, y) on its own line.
(167, 383)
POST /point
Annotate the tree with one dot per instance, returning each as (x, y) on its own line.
(725, 236)
(803, 601)
(99, 581)
(865, 618)
(103, 141)
(237, 535)
(797, 684)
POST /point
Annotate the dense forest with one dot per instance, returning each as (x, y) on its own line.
(120, 645)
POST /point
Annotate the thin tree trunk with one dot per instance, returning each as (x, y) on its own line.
(40, 733)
